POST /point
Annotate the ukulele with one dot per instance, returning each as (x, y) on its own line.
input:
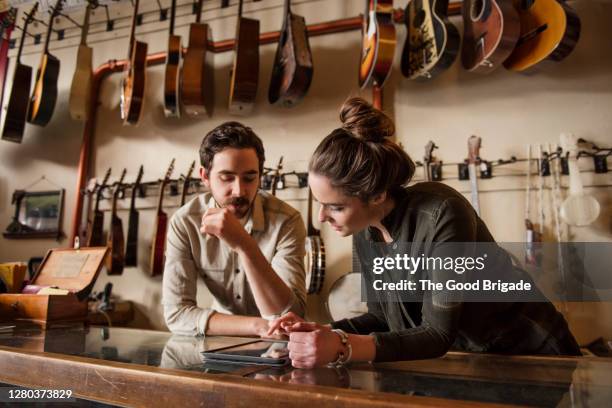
(491, 29)
(378, 43)
(474, 143)
(315, 254)
(245, 71)
(80, 89)
(131, 250)
(44, 96)
(197, 76)
(96, 224)
(17, 108)
(550, 30)
(115, 242)
(134, 81)
(173, 61)
(432, 42)
(292, 70)
(158, 244)
(186, 183)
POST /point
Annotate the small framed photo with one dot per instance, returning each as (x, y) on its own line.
(38, 214)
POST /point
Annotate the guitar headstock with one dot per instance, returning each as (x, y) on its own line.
(91, 184)
(569, 143)
(119, 183)
(106, 177)
(190, 171)
(30, 16)
(8, 20)
(139, 177)
(429, 148)
(57, 8)
(169, 172)
(474, 143)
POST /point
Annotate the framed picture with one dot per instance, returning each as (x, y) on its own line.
(38, 214)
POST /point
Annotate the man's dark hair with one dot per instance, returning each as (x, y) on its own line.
(233, 135)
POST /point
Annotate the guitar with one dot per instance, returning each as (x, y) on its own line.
(158, 244)
(197, 77)
(432, 42)
(378, 43)
(134, 81)
(292, 70)
(96, 222)
(315, 254)
(17, 108)
(550, 30)
(186, 183)
(131, 250)
(428, 159)
(173, 61)
(245, 71)
(474, 143)
(44, 96)
(85, 221)
(491, 31)
(115, 242)
(80, 89)
(277, 176)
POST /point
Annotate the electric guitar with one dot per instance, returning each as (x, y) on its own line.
(158, 244)
(550, 30)
(292, 70)
(115, 241)
(197, 76)
(432, 42)
(186, 183)
(131, 250)
(378, 43)
(173, 61)
(95, 232)
(133, 84)
(491, 29)
(474, 143)
(80, 89)
(42, 101)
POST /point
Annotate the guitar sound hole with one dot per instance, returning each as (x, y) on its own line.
(477, 8)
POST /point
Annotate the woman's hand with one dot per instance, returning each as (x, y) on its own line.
(312, 345)
(283, 323)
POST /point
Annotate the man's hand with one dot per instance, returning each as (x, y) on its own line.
(224, 225)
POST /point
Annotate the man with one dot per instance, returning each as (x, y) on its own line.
(247, 245)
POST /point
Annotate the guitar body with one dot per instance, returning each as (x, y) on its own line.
(158, 245)
(80, 89)
(132, 95)
(171, 82)
(17, 109)
(44, 96)
(293, 68)
(245, 72)
(131, 250)
(378, 43)
(115, 243)
(491, 31)
(95, 235)
(432, 42)
(550, 30)
(197, 86)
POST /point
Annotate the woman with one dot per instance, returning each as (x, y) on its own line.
(358, 176)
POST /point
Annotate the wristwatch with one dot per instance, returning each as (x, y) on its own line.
(341, 360)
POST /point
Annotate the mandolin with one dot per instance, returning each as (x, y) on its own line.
(292, 70)
(173, 62)
(158, 244)
(474, 143)
(131, 249)
(245, 71)
(315, 254)
(432, 42)
(134, 81)
(80, 89)
(95, 230)
(115, 241)
(186, 183)
(197, 76)
(44, 96)
(17, 108)
(491, 29)
(378, 43)
(550, 30)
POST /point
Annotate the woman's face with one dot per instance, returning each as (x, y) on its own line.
(346, 215)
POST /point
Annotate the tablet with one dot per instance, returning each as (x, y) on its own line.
(270, 352)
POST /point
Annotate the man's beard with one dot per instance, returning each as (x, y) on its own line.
(239, 206)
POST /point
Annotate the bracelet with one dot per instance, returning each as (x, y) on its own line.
(341, 360)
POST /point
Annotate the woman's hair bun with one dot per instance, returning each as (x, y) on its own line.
(364, 121)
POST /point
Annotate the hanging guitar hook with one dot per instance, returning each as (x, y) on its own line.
(163, 12)
(110, 24)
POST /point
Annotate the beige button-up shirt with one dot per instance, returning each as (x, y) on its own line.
(279, 231)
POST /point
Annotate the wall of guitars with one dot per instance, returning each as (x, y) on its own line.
(442, 102)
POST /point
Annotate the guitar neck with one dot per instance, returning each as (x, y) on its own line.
(172, 16)
(85, 28)
(133, 30)
(198, 11)
(160, 201)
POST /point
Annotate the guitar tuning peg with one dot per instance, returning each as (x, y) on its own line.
(280, 183)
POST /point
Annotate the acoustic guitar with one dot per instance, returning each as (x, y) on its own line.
(17, 108)
(158, 244)
(187, 183)
(432, 42)
(292, 70)
(245, 71)
(80, 89)
(474, 143)
(44, 96)
(197, 76)
(491, 29)
(550, 30)
(95, 231)
(315, 255)
(378, 43)
(134, 81)
(131, 249)
(115, 241)
(173, 62)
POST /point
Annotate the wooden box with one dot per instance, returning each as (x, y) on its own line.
(74, 270)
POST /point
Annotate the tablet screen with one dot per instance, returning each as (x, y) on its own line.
(265, 349)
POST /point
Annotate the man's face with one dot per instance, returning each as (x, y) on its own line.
(233, 179)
